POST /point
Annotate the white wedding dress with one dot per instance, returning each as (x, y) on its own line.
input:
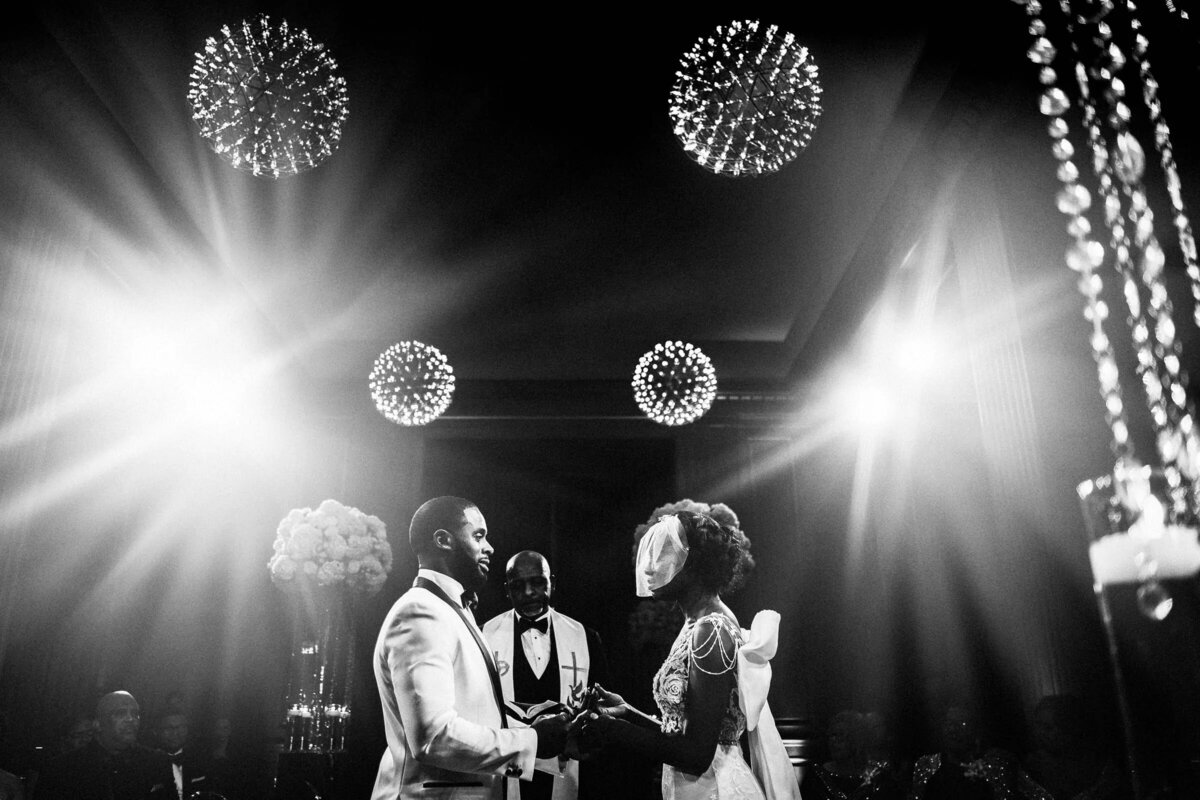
(729, 777)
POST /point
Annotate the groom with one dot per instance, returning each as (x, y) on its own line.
(443, 708)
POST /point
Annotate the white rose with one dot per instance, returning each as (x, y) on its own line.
(383, 551)
(305, 540)
(335, 548)
(331, 572)
(358, 546)
(330, 507)
(282, 568)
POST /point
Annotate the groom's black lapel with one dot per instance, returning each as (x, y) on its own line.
(439, 592)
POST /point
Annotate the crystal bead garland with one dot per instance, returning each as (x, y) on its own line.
(1086, 254)
(1137, 254)
(1162, 142)
(1164, 383)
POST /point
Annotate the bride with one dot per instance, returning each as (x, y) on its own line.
(713, 685)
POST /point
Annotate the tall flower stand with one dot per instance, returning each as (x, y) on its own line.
(323, 559)
(318, 697)
(1145, 555)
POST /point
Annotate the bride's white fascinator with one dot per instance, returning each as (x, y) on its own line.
(662, 552)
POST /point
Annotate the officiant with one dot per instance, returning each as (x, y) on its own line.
(542, 655)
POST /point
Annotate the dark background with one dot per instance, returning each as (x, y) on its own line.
(508, 188)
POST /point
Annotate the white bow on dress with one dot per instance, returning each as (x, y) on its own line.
(768, 757)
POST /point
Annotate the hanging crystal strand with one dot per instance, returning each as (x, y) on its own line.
(1175, 9)
(1157, 356)
(1157, 365)
(1172, 415)
(1162, 142)
(1085, 254)
(1119, 242)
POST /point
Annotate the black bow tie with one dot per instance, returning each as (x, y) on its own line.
(176, 758)
(469, 601)
(526, 624)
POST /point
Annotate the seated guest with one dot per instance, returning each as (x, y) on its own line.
(191, 768)
(79, 732)
(879, 749)
(232, 764)
(113, 766)
(964, 768)
(848, 774)
(1066, 762)
(11, 787)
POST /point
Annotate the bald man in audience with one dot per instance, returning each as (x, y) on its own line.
(542, 655)
(113, 766)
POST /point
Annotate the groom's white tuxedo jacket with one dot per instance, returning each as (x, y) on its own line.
(443, 724)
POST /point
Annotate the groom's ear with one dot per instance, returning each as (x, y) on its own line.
(442, 539)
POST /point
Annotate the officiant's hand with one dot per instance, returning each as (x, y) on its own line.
(552, 734)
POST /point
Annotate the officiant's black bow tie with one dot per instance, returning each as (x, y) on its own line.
(469, 601)
(176, 758)
(526, 624)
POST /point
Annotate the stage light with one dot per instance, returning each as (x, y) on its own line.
(186, 372)
(917, 356)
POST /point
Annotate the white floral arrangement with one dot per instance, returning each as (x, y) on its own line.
(331, 545)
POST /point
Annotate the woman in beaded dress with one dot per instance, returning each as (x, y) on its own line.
(714, 680)
(848, 773)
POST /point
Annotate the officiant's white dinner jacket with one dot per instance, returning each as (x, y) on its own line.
(443, 726)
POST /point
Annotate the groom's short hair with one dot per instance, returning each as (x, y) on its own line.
(440, 513)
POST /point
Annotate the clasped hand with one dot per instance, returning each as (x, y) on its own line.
(585, 732)
(579, 732)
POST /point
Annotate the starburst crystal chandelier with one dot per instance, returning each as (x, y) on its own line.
(674, 384)
(746, 99)
(411, 383)
(267, 98)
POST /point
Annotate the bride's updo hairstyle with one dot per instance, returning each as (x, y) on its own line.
(719, 554)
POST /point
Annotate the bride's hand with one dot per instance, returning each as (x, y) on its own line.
(609, 704)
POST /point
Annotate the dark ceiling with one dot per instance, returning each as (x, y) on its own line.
(508, 187)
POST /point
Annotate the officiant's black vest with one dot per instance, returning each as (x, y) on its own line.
(527, 688)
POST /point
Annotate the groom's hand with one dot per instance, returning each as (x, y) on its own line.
(552, 734)
(582, 740)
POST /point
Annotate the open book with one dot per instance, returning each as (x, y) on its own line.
(526, 713)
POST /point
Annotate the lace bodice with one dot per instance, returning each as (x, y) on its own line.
(671, 681)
